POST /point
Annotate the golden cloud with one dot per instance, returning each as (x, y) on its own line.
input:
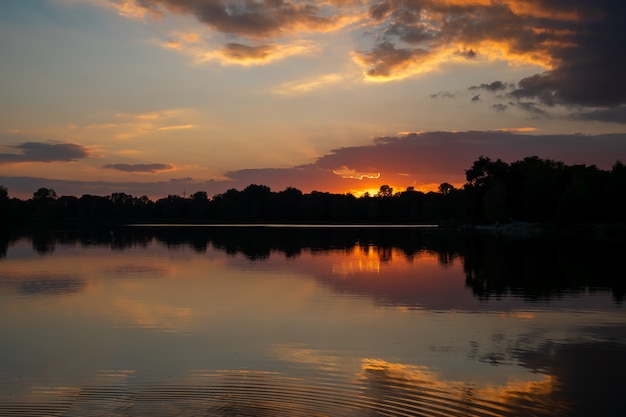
(345, 172)
(305, 86)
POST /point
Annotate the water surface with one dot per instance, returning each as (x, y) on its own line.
(312, 322)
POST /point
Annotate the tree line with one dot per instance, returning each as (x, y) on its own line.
(529, 190)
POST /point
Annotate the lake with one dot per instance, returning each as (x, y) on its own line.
(310, 321)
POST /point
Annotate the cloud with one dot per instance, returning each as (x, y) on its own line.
(240, 53)
(385, 61)
(579, 44)
(530, 107)
(589, 70)
(492, 87)
(131, 125)
(45, 152)
(443, 94)
(345, 172)
(611, 115)
(249, 19)
(243, 54)
(305, 86)
(469, 54)
(433, 32)
(177, 127)
(140, 167)
(499, 107)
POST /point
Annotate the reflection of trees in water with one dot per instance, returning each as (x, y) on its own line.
(43, 242)
(589, 376)
(4, 247)
(541, 267)
(259, 242)
(534, 267)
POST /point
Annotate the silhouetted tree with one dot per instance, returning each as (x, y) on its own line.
(615, 193)
(287, 203)
(446, 188)
(200, 196)
(44, 194)
(385, 191)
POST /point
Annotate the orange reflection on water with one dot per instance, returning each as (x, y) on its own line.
(420, 388)
(371, 259)
(360, 259)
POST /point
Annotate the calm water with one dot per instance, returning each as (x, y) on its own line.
(310, 322)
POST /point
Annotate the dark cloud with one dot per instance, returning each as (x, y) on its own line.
(45, 152)
(531, 107)
(499, 107)
(590, 71)
(248, 18)
(379, 10)
(611, 115)
(139, 167)
(385, 59)
(183, 180)
(469, 54)
(581, 42)
(443, 94)
(492, 87)
(476, 98)
(240, 52)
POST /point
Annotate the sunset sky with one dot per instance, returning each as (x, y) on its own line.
(158, 97)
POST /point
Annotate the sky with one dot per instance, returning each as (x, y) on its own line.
(160, 97)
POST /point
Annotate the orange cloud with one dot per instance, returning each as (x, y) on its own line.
(178, 127)
(543, 9)
(305, 86)
(133, 9)
(235, 52)
(259, 54)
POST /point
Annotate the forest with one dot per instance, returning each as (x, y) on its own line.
(532, 190)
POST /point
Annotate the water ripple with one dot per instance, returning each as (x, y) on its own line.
(374, 392)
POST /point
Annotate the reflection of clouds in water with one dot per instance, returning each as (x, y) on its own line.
(135, 270)
(302, 355)
(150, 316)
(392, 385)
(52, 287)
(42, 283)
